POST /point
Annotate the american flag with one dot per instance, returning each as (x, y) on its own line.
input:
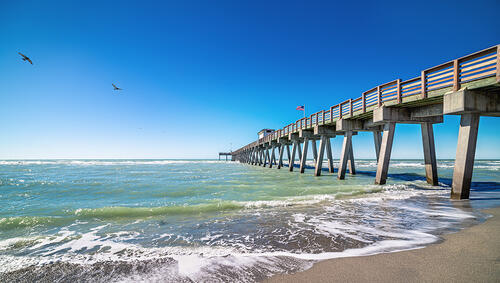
(300, 108)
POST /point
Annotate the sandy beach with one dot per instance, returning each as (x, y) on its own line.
(471, 255)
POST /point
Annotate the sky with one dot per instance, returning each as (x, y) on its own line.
(200, 77)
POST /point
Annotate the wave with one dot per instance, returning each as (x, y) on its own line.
(120, 211)
(31, 221)
(399, 191)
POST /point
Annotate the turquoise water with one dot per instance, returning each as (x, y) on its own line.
(202, 220)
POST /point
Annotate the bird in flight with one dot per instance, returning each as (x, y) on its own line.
(116, 88)
(25, 58)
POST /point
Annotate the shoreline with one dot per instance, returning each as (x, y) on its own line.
(469, 255)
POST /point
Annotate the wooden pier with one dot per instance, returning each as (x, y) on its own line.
(468, 86)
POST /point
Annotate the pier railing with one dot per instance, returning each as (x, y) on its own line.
(435, 81)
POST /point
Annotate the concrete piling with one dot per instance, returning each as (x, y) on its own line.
(280, 159)
(304, 155)
(291, 161)
(344, 156)
(329, 155)
(429, 154)
(319, 159)
(314, 150)
(385, 153)
(350, 161)
(464, 161)
(377, 138)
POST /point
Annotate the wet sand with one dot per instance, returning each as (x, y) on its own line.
(471, 255)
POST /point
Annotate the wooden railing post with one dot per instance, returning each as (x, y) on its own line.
(456, 75)
(498, 63)
(363, 102)
(331, 113)
(350, 107)
(398, 82)
(323, 117)
(379, 98)
(340, 111)
(423, 81)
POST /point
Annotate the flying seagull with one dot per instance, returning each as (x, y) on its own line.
(25, 58)
(116, 88)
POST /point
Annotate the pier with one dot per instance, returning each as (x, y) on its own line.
(226, 154)
(468, 86)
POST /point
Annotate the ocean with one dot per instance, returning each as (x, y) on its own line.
(216, 221)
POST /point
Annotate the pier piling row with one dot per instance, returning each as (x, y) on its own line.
(468, 86)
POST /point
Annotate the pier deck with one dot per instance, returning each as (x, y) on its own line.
(468, 86)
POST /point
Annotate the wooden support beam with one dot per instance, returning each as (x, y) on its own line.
(344, 156)
(329, 155)
(304, 155)
(385, 153)
(319, 160)
(377, 138)
(280, 160)
(429, 154)
(291, 161)
(464, 160)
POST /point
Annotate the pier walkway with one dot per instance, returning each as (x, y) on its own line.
(468, 86)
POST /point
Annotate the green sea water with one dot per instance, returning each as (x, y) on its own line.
(204, 220)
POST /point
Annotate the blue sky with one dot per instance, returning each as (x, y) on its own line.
(203, 76)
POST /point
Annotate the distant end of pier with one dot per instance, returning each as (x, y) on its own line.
(226, 154)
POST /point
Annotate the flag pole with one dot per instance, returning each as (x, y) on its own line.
(304, 110)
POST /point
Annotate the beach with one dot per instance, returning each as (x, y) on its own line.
(471, 255)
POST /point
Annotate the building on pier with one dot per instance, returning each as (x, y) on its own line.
(264, 133)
